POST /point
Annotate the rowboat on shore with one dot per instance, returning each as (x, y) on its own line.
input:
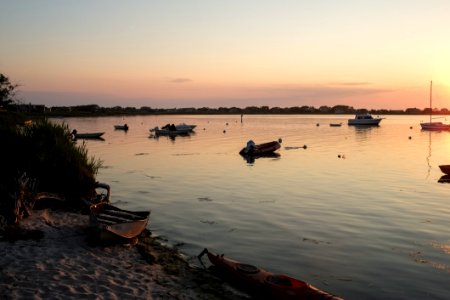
(113, 223)
(88, 135)
(264, 283)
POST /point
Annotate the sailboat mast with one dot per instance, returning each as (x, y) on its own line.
(431, 98)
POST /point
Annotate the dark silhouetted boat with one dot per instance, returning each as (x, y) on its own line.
(259, 149)
(445, 169)
(88, 135)
(121, 127)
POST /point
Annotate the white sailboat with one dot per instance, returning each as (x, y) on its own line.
(433, 125)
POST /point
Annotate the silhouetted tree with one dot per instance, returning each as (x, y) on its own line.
(7, 91)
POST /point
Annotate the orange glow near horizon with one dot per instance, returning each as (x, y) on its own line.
(276, 54)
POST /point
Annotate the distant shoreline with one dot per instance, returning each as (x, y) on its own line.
(97, 111)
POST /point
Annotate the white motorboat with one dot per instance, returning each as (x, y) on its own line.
(170, 131)
(364, 119)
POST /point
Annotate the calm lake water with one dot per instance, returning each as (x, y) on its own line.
(358, 213)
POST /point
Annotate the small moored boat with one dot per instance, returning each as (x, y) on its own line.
(114, 223)
(88, 135)
(183, 126)
(121, 127)
(445, 169)
(433, 126)
(335, 124)
(265, 283)
(171, 130)
(259, 149)
(364, 119)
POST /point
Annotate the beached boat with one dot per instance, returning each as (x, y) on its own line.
(88, 135)
(259, 149)
(435, 126)
(114, 223)
(170, 131)
(121, 127)
(445, 169)
(264, 283)
(364, 119)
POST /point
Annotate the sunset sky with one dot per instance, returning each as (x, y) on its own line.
(196, 53)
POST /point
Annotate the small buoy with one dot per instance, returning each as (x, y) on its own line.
(317, 124)
(226, 123)
(410, 137)
(280, 140)
(304, 146)
(410, 127)
(339, 156)
(224, 131)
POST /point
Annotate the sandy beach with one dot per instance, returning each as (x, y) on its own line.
(53, 259)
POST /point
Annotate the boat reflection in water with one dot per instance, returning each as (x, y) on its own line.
(250, 158)
(172, 137)
(444, 179)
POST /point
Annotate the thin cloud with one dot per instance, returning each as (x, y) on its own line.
(350, 83)
(180, 80)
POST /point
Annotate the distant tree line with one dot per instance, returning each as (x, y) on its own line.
(8, 90)
(96, 110)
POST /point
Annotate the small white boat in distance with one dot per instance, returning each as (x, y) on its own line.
(170, 131)
(364, 119)
(437, 126)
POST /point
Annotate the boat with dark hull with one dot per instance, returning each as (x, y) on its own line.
(445, 169)
(87, 135)
(259, 149)
(121, 127)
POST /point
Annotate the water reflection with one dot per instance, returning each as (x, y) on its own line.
(88, 139)
(250, 159)
(364, 131)
(428, 158)
(444, 179)
(172, 137)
